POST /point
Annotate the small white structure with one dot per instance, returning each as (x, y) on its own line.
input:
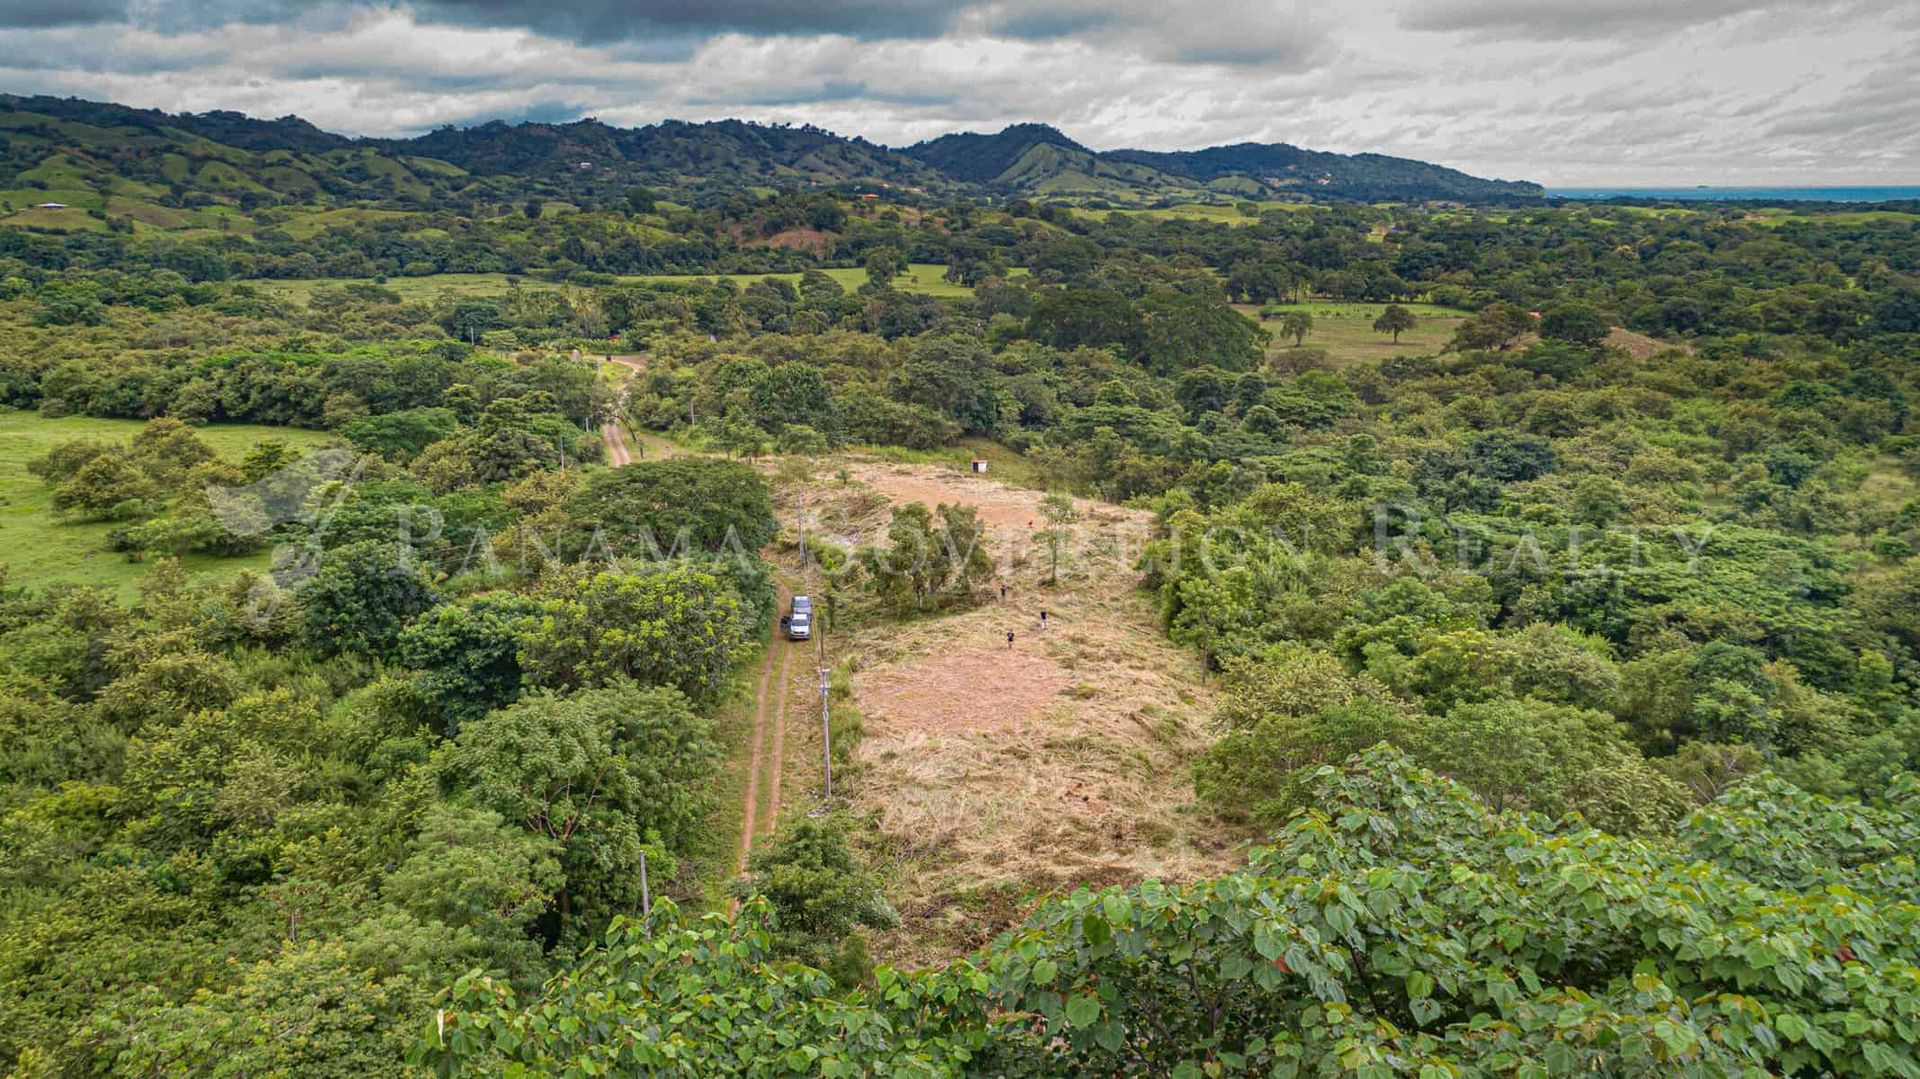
(51, 206)
(979, 466)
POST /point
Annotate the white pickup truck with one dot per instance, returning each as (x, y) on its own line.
(799, 619)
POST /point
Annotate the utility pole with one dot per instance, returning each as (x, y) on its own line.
(820, 664)
(826, 729)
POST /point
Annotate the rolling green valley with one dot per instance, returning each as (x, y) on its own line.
(550, 590)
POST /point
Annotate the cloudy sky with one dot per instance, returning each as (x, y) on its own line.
(1565, 92)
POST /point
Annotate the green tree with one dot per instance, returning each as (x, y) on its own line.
(596, 776)
(1496, 327)
(820, 895)
(688, 504)
(1071, 318)
(1575, 322)
(882, 265)
(1180, 331)
(1297, 325)
(361, 598)
(476, 872)
(1395, 320)
(1554, 759)
(1060, 514)
(926, 563)
(679, 626)
(71, 303)
(167, 450)
(108, 487)
(467, 655)
(400, 436)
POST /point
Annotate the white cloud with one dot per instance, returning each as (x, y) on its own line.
(1617, 91)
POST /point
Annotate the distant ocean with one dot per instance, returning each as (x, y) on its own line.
(1754, 194)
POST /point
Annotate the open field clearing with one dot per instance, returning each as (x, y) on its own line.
(1218, 213)
(1345, 330)
(39, 549)
(999, 774)
(923, 277)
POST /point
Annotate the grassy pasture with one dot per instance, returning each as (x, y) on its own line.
(1345, 330)
(923, 277)
(1780, 215)
(409, 288)
(39, 549)
(1218, 213)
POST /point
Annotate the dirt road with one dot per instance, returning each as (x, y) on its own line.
(766, 746)
(650, 445)
(617, 452)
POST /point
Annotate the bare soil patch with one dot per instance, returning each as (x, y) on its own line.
(999, 775)
(940, 693)
(811, 240)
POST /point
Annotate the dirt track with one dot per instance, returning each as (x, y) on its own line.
(769, 734)
(767, 742)
(617, 452)
(653, 445)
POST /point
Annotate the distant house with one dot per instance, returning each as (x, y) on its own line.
(869, 195)
(51, 206)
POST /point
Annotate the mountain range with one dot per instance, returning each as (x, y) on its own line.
(67, 145)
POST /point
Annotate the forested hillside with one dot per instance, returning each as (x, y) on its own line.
(290, 161)
(1524, 606)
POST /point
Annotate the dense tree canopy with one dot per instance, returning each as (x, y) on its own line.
(1606, 520)
(1398, 926)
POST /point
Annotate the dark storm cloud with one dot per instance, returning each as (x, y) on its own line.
(598, 21)
(37, 14)
(826, 91)
(162, 16)
(539, 112)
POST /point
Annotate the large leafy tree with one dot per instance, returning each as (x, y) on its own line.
(597, 775)
(678, 505)
(468, 655)
(1180, 331)
(934, 561)
(819, 891)
(1395, 320)
(362, 597)
(1070, 318)
(680, 626)
(108, 487)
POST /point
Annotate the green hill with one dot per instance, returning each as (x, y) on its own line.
(1037, 159)
(68, 165)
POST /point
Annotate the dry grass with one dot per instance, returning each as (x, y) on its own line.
(996, 775)
(1640, 346)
